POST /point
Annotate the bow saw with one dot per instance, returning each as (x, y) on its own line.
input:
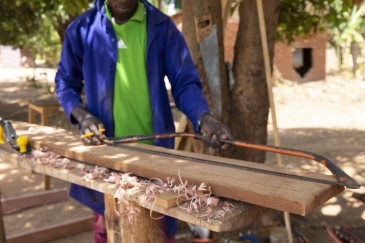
(341, 176)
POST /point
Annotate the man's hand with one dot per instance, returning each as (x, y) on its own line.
(89, 124)
(213, 130)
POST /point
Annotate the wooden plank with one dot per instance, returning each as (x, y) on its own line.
(226, 9)
(266, 190)
(183, 123)
(168, 200)
(53, 232)
(243, 214)
(34, 199)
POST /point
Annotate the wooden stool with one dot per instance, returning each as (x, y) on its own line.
(45, 105)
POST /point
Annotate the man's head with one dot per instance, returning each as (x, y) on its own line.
(122, 10)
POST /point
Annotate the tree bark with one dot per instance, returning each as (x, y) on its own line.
(250, 103)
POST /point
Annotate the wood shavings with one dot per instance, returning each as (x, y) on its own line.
(151, 189)
(91, 173)
(44, 156)
(199, 200)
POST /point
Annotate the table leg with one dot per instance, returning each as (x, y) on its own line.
(142, 228)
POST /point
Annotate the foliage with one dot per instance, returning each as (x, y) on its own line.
(298, 18)
(348, 26)
(176, 3)
(30, 24)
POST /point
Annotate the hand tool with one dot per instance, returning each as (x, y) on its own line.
(207, 37)
(10, 141)
(341, 176)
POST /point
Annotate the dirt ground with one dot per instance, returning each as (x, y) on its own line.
(326, 117)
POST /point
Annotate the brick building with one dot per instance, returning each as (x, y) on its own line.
(303, 60)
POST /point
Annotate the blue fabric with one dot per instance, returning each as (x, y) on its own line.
(88, 61)
(251, 238)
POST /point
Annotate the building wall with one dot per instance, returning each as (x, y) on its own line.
(283, 58)
(229, 40)
(10, 57)
(283, 54)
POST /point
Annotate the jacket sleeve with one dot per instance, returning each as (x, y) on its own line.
(186, 86)
(69, 76)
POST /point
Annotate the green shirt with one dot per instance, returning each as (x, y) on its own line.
(132, 106)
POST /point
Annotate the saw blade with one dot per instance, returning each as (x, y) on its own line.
(240, 167)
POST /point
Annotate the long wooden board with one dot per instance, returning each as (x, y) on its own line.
(242, 216)
(270, 191)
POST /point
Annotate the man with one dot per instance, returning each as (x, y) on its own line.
(119, 53)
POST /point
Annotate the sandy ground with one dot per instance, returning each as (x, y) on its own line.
(326, 117)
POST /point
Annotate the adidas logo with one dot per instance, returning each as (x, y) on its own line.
(121, 44)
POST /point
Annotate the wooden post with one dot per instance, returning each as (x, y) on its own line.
(265, 51)
(226, 8)
(2, 227)
(45, 108)
(142, 228)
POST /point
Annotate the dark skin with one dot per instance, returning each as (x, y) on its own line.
(122, 10)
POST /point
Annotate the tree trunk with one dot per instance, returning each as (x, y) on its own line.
(246, 107)
(250, 103)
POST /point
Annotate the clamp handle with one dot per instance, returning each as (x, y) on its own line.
(2, 141)
(22, 142)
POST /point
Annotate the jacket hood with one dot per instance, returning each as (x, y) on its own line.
(99, 4)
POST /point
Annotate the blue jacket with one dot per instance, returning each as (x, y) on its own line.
(88, 61)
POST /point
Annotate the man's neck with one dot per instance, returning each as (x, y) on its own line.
(121, 19)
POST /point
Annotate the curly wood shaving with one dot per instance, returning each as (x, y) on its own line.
(198, 199)
(44, 156)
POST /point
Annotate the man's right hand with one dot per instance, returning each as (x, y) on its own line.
(89, 124)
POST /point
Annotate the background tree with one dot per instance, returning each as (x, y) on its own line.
(246, 106)
(37, 26)
(346, 28)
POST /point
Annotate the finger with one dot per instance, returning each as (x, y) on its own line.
(225, 133)
(214, 142)
(95, 129)
(207, 138)
(86, 141)
(211, 140)
(95, 140)
(225, 146)
(102, 137)
(85, 133)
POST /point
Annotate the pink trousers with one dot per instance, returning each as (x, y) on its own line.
(99, 227)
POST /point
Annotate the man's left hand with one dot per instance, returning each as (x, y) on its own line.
(213, 130)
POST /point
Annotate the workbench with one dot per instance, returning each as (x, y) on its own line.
(251, 193)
